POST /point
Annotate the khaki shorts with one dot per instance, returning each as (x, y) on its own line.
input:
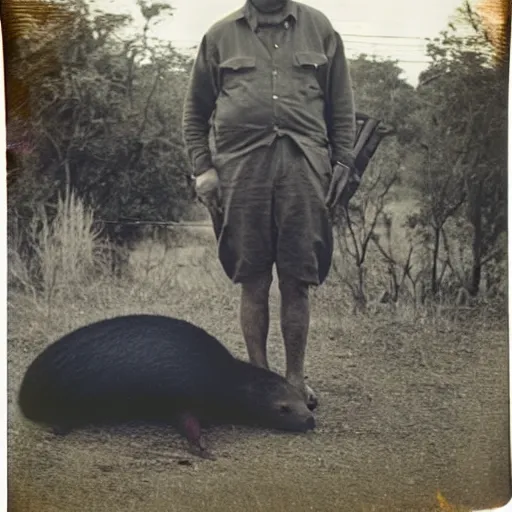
(274, 213)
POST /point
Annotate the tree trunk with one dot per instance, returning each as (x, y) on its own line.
(435, 254)
(476, 272)
(361, 296)
(476, 221)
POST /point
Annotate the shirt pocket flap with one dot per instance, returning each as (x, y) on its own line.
(236, 63)
(314, 59)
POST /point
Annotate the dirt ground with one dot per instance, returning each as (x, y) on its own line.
(409, 407)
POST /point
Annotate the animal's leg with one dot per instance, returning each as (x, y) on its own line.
(189, 426)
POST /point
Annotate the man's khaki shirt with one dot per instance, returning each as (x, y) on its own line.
(251, 83)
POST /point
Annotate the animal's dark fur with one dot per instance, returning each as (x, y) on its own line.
(153, 368)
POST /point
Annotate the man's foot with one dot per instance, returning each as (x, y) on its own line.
(309, 395)
(311, 398)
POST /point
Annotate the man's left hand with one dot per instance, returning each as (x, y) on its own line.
(342, 175)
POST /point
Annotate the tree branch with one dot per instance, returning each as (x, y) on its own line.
(148, 101)
(354, 238)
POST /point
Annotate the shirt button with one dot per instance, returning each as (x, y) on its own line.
(286, 24)
(275, 97)
(274, 72)
(276, 46)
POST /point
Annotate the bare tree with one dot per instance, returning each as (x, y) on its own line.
(398, 270)
(355, 229)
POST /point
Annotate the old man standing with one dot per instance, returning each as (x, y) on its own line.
(269, 127)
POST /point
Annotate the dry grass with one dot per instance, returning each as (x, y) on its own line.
(413, 402)
(66, 253)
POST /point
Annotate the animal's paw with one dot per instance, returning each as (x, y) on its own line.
(189, 425)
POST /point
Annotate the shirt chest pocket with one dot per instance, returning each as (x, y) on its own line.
(236, 72)
(310, 71)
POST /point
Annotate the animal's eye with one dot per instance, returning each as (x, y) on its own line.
(285, 409)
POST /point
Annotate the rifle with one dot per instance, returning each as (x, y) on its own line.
(369, 134)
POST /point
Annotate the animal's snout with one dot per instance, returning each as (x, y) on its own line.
(310, 423)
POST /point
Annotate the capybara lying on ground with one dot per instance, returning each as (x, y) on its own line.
(149, 367)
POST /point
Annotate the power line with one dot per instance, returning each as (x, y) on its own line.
(350, 50)
(350, 41)
(352, 47)
(407, 61)
(382, 51)
(196, 42)
(376, 43)
(381, 36)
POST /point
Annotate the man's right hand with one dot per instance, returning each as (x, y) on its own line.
(208, 189)
(207, 186)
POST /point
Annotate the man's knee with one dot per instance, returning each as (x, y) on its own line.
(258, 287)
(292, 287)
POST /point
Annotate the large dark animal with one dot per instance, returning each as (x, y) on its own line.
(145, 367)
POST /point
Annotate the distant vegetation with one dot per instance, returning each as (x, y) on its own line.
(428, 224)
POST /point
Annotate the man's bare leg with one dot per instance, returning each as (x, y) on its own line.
(254, 317)
(294, 327)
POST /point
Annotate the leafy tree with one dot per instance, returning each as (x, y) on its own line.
(381, 93)
(105, 121)
(463, 135)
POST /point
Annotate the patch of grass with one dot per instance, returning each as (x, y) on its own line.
(399, 390)
(66, 253)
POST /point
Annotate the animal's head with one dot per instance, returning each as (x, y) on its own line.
(271, 401)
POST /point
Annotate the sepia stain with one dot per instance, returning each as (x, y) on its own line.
(30, 29)
(495, 16)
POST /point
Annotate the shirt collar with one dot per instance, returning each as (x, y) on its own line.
(249, 12)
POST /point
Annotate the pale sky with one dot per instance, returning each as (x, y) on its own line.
(359, 22)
